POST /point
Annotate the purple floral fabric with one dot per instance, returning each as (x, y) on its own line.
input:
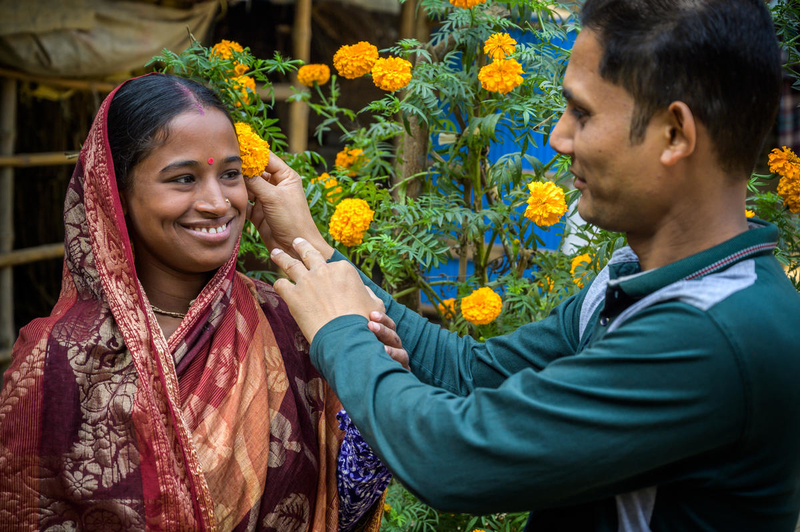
(361, 476)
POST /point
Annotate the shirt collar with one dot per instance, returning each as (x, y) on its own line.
(625, 271)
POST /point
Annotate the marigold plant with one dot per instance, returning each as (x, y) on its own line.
(482, 306)
(501, 76)
(391, 73)
(316, 73)
(582, 259)
(499, 45)
(254, 150)
(330, 183)
(350, 221)
(224, 50)
(786, 164)
(467, 4)
(350, 158)
(355, 60)
(447, 308)
(242, 85)
(546, 204)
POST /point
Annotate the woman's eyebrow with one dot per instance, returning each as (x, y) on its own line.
(232, 159)
(179, 164)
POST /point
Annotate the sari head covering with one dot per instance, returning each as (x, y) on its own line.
(107, 425)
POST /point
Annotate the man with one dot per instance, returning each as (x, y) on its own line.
(663, 396)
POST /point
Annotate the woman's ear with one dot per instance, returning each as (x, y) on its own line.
(681, 130)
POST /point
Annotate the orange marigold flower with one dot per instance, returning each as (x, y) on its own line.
(499, 45)
(501, 76)
(546, 283)
(330, 183)
(242, 84)
(310, 74)
(546, 203)
(447, 307)
(224, 50)
(349, 158)
(467, 4)
(391, 74)
(482, 306)
(350, 221)
(577, 261)
(749, 213)
(353, 61)
(387, 507)
(253, 149)
(786, 164)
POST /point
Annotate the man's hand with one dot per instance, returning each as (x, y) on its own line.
(280, 211)
(321, 291)
(385, 330)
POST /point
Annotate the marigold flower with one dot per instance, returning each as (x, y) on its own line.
(466, 4)
(241, 84)
(330, 183)
(391, 74)
(349, 158)
(387, 507)
(501, 76)
(350, 221)
(224, 50)
(786, 164)
(577, 261)
(499, 45)
(310, 74)
(253, 149)
(546, 203)
(482, 306)
(353, 61)
(749, 213)
(546, 283)
(447, 307)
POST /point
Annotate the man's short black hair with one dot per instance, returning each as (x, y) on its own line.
(719, 57)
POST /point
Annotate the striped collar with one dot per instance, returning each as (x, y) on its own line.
(624, 271)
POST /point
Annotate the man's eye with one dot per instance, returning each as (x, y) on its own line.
(579, 114)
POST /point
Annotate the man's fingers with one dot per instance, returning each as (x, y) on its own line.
(387, 336)
(279, 170)
(308, 253)
(382, 318)
(293, 267)
(398, 355)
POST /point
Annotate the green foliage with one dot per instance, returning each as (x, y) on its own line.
(458, 204)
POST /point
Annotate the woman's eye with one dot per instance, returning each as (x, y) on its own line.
(233, 174)
(184, 179)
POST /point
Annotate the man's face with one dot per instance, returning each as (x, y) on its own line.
(622, 184)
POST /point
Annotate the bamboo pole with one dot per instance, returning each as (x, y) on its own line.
(23, 160)
(8, 120)
(301, 49)
(34, 254)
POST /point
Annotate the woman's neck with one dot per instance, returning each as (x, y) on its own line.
(168, 290)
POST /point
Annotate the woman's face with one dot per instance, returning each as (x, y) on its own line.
(179, 218)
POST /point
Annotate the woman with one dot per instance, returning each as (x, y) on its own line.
(166, 391)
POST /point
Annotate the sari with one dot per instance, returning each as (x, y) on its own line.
(107, 425)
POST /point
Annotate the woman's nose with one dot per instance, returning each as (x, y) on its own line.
(212, 199)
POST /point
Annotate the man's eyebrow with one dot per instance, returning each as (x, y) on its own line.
(571, 98)
(179, 164)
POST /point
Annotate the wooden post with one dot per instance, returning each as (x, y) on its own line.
(301, 49)
(8, 120)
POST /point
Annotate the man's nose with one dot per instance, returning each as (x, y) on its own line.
(561, 136)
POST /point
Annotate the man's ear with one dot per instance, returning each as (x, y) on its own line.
(681, 133)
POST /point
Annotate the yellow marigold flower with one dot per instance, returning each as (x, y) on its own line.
(499, 45)
(546, 203)
(467, 4)
(331, 184)
(224, 50)
(749, 213)
(447, 307)
(482, 306)
(353, 61)
(391, 74)
(787, 164)
(387, 507)
(350, 221)
(501, 76)
(310, 74)
(253, 149)
(479, 530)
(577, 261)
(241, 84)
(546, 283)
(349, 158)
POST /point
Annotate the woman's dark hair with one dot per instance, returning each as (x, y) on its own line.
(140, 113)
(719, 57)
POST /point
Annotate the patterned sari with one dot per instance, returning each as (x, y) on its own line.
(106, 425)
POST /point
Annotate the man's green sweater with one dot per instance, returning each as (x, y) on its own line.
(659, 400)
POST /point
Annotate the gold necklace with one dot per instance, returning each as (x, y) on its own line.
(171, 314)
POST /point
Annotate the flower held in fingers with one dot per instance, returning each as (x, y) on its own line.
(254, 150)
